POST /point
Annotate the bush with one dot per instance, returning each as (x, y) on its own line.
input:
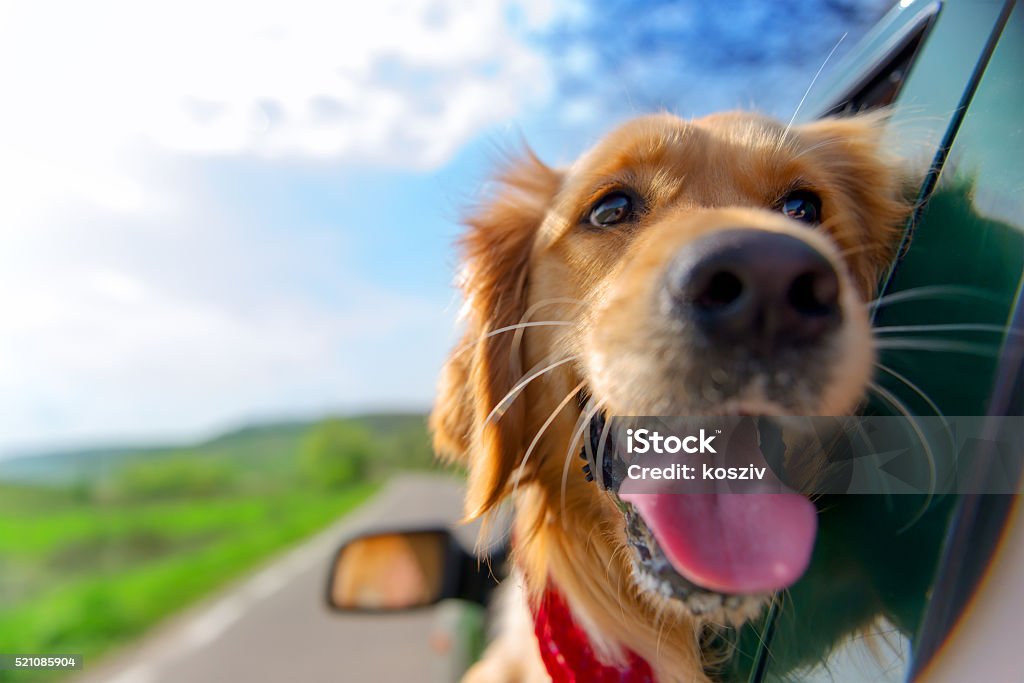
(179, 477)
(336, 453)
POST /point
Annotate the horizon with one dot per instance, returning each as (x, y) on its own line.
(146, 442)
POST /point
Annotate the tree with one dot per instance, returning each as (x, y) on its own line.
(336, 453)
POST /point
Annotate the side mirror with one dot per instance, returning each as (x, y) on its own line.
(398, 570)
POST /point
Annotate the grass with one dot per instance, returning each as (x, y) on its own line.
(98, 546)
(80, 579)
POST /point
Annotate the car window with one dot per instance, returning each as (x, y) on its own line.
(881, 85)
(901, 568)
(972, 236)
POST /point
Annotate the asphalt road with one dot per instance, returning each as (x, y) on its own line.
(273, 625)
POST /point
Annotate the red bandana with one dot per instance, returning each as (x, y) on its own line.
(567, 652)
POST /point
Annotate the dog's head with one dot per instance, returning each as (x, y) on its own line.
(707, 267)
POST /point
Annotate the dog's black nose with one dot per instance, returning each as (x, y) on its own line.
(755, 288)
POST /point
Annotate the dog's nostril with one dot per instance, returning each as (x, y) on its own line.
(814, 293)
(722, 289)
(754, 289)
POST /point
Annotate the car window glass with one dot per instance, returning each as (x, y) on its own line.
(880, 86)
(857, 613)
(972, 236)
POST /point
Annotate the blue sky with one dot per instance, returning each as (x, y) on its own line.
(220, 212)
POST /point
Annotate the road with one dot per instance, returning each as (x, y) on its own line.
(273, 625)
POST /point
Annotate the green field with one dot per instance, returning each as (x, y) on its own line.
(89, 561)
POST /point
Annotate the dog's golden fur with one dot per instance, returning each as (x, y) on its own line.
(526, 258)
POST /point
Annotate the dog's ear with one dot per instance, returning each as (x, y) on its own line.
(484, 367)
(876, 182)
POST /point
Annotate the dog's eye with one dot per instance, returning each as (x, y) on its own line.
(803, 206)
(611, 209)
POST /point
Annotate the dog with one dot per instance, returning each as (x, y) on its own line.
(717, 266)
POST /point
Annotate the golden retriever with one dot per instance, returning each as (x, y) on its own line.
(718, 266)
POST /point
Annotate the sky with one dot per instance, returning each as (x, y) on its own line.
(217, 213)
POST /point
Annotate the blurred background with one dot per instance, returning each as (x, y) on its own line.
(225, 284)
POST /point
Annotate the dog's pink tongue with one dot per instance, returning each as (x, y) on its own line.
(732, 543)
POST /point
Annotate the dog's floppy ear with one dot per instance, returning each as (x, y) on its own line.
(855, 152)
(482, 369)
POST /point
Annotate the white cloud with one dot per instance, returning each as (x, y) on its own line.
(134, 300)
(397, 82)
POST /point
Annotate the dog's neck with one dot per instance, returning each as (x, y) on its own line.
(612, 628)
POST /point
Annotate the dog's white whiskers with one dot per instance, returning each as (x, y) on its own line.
(517, 339)
(584, 420)
(807, 92)
(929, 291)
(922, 395)
(510, 328)
(521, 326)
(902, 409)
(540, 432)
(505, 402)
(952, 327)
(936, 346)
(624, 552)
